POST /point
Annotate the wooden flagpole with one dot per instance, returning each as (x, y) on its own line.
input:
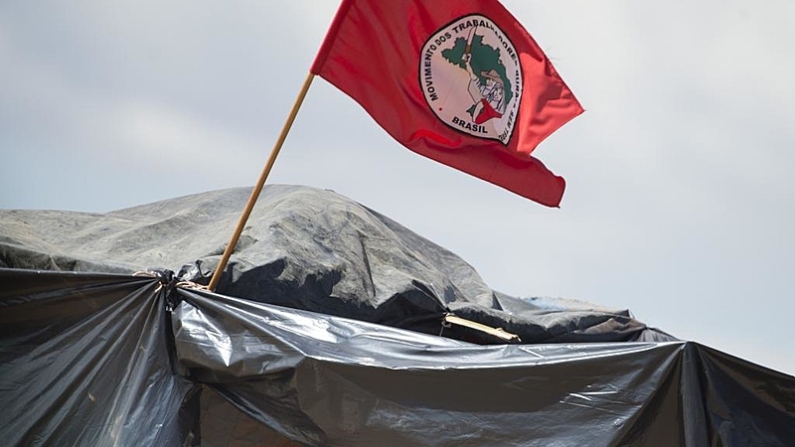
(258, 188)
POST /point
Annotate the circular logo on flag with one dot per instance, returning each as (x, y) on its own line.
(471, 78)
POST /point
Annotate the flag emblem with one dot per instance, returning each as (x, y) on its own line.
(471, 78)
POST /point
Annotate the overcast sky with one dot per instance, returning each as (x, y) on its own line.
(680, 202)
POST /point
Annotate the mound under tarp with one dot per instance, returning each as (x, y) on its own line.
(307, 249)
(326, 329)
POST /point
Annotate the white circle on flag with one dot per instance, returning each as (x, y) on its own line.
(471, 78)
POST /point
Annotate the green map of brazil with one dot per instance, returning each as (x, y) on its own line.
(484, 60)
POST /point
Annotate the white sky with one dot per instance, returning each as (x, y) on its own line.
(680, 194)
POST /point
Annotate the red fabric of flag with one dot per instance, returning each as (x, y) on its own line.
(460, 82)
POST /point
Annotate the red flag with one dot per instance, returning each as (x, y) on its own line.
(460, 82)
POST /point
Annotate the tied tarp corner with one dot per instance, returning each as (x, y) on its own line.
(85, 361)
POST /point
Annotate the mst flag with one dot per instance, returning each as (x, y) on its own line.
(458, 81)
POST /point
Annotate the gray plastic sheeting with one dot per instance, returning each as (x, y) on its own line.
(307, 249)
(338, 382)
(112, 360)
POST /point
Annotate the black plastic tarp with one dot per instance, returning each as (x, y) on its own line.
(326, 329)
(85, 361)
(114, 360)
